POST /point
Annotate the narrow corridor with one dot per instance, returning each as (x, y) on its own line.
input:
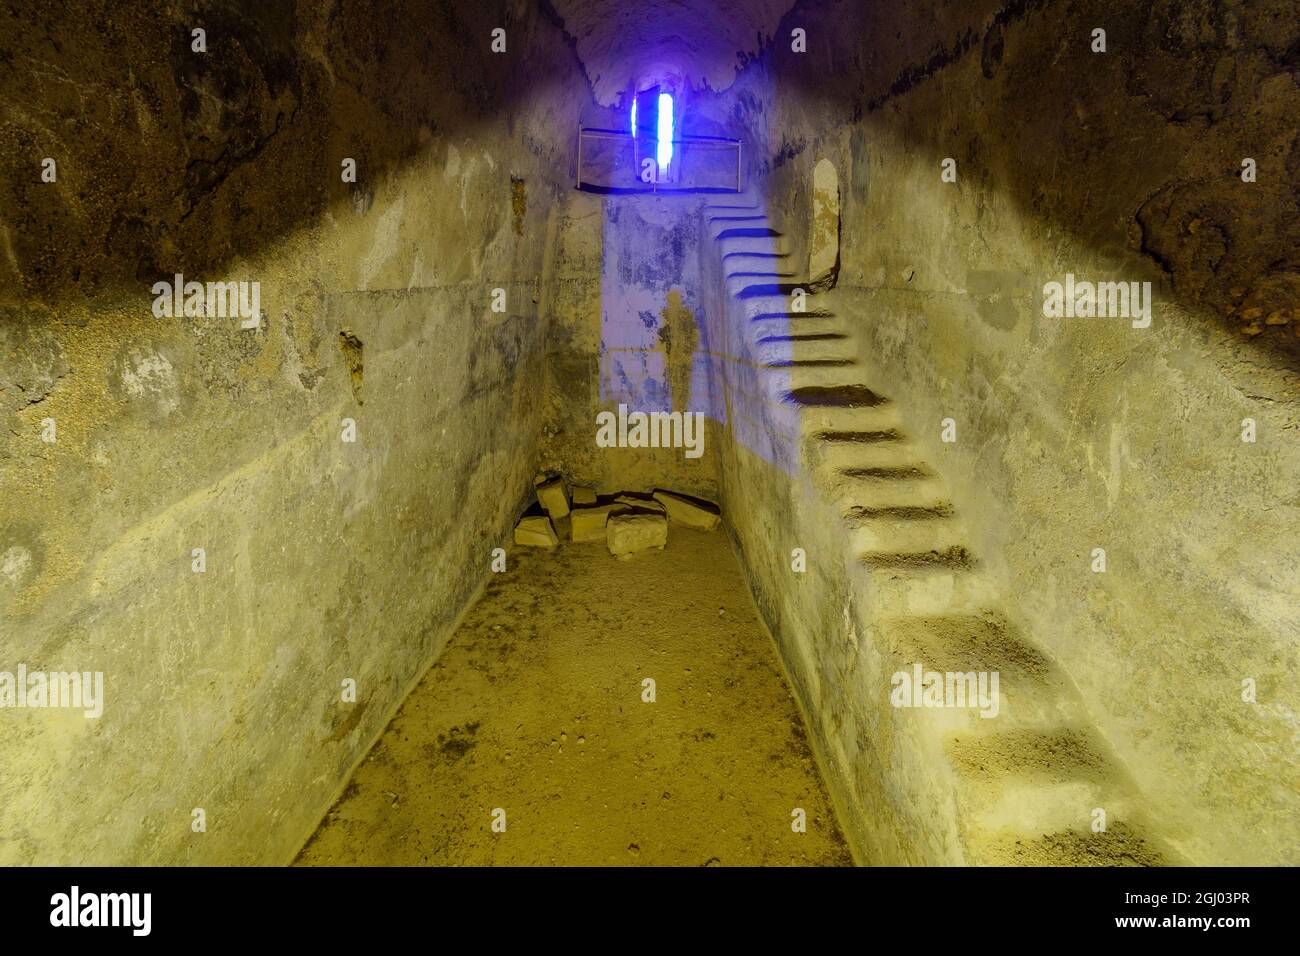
(963, 337)
(536, 708)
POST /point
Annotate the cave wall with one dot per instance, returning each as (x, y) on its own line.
(1076, 434)
(700, 44)
(324, 560)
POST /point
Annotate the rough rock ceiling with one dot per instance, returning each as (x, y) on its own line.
(702, 42)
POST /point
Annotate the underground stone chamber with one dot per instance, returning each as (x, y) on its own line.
(878, 447)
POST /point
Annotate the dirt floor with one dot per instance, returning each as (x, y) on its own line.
(535, 707)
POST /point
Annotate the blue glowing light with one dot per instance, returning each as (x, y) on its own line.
(633, 116)
(665, 130)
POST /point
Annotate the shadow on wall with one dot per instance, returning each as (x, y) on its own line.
(171, 159)
(1138, 149)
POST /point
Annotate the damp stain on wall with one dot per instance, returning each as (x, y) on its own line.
(352, 349)
(679, 339)
(518, 203)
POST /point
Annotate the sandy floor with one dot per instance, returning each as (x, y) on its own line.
(535, 707)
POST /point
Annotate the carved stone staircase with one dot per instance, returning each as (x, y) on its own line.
(1026, 785)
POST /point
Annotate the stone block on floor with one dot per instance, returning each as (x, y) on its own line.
(692, 512)
(645, 504)
(588, 524)
(553, 497)
(629, 532)
(535, 531)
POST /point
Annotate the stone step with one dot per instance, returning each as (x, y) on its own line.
(796, 338)
(835, 394)
(747, 226)
(779, 325)
(771, 305)
(819, 338)
(745, 232)
(756, 259)
(857, 437)
(826, 346)
(861, 491)
(792, 363)
(1048, 754)
(1122, 844)
(816, 390)
(1033, 692)
(919, 589)
(826, 380)
(739, 201)
(814, 420)
(1031, 793)
(754, 312)
(1034, 809)
(736, 283)
(884, 534)
(772, 244)
(783, 290)
(802, 381)
(843, 456)
(736, 276)
(955, 557)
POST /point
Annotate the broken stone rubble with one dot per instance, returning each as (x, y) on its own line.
(631, 523)
(688, 511)
(634, 531)
(588, 524)
(535, 531)
(643, 504)
(553, 497)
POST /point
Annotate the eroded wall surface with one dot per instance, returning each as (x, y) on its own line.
(323, 560)
(1078, 434)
